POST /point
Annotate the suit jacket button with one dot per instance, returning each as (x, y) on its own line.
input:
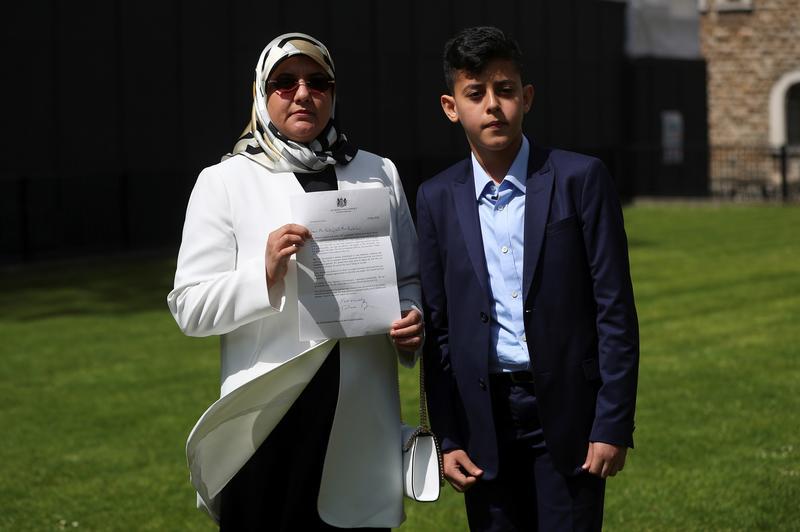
(482, 383)
(484, 317)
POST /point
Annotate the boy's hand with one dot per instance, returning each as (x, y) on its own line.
(604, 459)
(459, 470)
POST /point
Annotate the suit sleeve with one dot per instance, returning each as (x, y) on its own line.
(617, 325)
(440, 386)
(214, 293)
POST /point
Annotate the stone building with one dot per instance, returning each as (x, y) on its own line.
(752, 50)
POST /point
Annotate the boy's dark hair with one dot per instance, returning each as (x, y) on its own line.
(473, 48)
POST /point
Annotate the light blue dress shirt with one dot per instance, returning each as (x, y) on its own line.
(501, 209)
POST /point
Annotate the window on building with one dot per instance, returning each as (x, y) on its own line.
(793, 115)
(733, 5)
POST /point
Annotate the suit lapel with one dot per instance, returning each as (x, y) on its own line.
(538, 190)
(467, 213)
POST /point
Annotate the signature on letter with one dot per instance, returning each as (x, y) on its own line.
(358, 303)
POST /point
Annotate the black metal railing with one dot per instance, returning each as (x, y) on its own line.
(755, 172)
(44, 217)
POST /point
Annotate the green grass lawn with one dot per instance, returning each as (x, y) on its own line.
(99, 389)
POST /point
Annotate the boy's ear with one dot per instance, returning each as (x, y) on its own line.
(527, 97)
(449, 107)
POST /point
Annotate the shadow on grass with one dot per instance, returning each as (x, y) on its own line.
(91, 287)
(634, 242)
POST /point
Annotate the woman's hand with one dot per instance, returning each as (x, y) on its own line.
(407, 331)
(282, 243)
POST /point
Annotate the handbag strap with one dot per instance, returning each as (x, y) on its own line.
(424, 423)
(424, 426)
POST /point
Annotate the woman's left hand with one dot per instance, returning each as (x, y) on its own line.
(407, 331)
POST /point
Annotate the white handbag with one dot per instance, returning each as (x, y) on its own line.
(422, 457)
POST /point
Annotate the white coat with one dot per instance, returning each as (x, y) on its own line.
(220, 289)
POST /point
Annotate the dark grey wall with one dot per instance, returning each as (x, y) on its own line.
(652, 86)
(111, 108)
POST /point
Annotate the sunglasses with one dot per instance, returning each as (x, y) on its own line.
(287, 84)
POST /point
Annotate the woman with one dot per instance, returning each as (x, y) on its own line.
(306, 435)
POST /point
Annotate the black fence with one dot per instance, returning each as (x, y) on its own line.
(45, 217)
(755, 172)
(643, 170)
(49, 216)
(116, 106)
(116, 87)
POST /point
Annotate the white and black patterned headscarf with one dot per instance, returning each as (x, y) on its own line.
(261, 140)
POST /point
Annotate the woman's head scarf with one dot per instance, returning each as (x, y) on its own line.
(261, 140)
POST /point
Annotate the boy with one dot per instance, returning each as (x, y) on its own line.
(532, 351)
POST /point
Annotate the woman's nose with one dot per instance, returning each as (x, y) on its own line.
(302, 92)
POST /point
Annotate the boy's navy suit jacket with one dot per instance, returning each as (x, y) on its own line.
(580, 318)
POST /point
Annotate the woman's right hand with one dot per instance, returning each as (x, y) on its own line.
(282, 243)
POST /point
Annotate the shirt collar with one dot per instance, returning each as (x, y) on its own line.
(516, 174)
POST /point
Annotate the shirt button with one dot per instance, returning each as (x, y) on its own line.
(525, 338)
(504, 249)
(500, 207)
(514, 294)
